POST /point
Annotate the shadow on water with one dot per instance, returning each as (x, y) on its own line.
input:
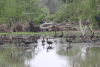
(54, 55)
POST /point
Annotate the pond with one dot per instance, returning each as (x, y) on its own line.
(58, 56)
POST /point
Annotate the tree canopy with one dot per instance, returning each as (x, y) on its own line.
(61, 10)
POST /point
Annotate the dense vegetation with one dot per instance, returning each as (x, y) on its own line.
(62, 10)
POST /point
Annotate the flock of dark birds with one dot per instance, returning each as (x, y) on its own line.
(24, 43)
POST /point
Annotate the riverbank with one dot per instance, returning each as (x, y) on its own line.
(50, 33)
(42, 33)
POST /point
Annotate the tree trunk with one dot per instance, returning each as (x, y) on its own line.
(89, 26)
(84, 30)
(80, 24)
(79, 21)
(11, 32)
(90, 29)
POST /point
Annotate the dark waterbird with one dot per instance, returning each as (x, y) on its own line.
(43, 40)
(26, 45)
(97, 35)
(92, 35)
(25, 42)
(60, 35)
(49, 48)
(1, 42)
(49, 42)
(73, 37)
(68, 40)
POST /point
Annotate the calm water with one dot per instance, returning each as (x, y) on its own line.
(56, 57)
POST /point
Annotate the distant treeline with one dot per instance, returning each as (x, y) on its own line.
(23, 11)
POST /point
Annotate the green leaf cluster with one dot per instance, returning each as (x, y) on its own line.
(21, 11)
(87, 10)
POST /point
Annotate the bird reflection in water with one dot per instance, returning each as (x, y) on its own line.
(55, 41)
(49, 48)
(61, 41)
(69, 41)
(43, 41)
(43, 44)
(1, 48)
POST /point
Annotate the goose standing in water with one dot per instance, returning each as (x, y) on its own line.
(92, 35)
(43, 40)
(25, 42)
(97, 35)
(1, 42)
(49, 42)
(61, 35)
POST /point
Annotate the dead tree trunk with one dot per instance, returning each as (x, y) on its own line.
(80, 24)
(11, 32)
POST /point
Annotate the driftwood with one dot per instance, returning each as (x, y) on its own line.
(46, 26)
(58, 27)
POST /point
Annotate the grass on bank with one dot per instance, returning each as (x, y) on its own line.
(49, 33)
(42, 33)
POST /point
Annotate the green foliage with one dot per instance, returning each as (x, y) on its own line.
(94, 6)
(94, 22)
(66, 12)
(50, 18)
(69, 1)
(25, 10)
(64, 1)
(38, 20)
(86, 10)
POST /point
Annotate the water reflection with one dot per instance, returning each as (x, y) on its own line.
(11, 57)
(45, 55)
(87, 59)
